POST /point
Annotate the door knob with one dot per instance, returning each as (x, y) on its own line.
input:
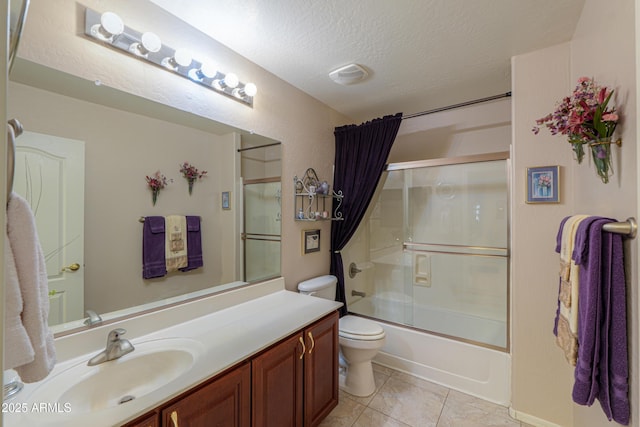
(73, 267)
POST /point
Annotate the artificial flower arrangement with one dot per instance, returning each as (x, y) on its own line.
(191, 174)
(586, 118)
(157, 182)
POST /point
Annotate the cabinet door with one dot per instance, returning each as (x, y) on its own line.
(226, 402)
(277, 385)
(150, 420)
(321, 370)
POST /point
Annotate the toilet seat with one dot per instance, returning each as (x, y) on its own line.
(357, 328)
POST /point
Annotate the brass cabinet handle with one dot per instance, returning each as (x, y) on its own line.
(174, 418)
(73, 267)
(304, 347)
(313, 343)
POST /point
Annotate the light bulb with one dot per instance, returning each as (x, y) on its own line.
(149, 43)
(229, 81)
(250, 89)
(180, 58)
(110, 25)
(206, 71)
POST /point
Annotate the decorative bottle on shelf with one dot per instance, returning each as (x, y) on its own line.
(300, 214)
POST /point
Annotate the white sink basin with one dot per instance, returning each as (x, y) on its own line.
(153, 364)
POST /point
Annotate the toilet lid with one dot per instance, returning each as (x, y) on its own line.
(354, 326)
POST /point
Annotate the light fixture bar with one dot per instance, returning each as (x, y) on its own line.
(106, 30)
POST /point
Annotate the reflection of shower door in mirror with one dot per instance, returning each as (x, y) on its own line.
(49, 174)
(262, 219)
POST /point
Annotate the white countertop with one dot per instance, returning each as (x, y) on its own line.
(228, 336)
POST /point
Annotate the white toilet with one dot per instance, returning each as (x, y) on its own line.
(359, 338)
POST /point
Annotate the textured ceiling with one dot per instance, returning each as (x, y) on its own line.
(421, 54)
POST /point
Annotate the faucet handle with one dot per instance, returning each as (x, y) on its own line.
(114, 335)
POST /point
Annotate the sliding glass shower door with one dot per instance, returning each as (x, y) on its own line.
(262, 219)
(438, 237)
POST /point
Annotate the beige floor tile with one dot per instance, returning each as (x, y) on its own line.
(469, 413)
(416, 405)
(373, 418)
(345, 414)
(419, 382)
(466, 399)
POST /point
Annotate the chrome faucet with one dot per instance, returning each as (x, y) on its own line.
(93, 318)
(116, 348)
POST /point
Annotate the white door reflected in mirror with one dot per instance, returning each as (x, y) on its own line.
(49, 174)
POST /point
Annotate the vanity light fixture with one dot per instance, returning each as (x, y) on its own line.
(108, 28)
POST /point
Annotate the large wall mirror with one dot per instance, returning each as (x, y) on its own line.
(82, 162)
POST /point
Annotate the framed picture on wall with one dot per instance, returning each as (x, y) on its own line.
(226, 200)
(543, 184)
(310, 241)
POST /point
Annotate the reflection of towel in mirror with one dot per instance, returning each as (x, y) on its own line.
(153, 262)
(31, 275)
(175, 251)
(194, 244)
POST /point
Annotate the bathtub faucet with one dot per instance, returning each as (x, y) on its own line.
(358, 294)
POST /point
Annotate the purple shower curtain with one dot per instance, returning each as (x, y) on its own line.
(361, 155)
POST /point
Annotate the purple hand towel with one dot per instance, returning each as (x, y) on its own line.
(602, 369)
(194, 244)
(153, 242)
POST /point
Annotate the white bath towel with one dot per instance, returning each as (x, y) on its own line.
(34, 288)
(18, 350)
(175, 252)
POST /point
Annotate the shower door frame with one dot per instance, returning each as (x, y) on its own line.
(446, 161)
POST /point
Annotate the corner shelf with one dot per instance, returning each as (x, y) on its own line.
(310, 199)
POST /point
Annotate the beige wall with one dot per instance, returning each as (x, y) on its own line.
(54, 37)
(541, 379)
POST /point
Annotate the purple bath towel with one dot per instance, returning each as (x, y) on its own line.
(602, 368)
(194, 244)
(153, 242)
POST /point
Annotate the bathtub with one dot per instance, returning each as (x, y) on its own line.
(474, 369)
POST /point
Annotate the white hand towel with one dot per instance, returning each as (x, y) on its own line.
(175, 252)
(34, 288)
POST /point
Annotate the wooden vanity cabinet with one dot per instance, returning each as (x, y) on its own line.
(295, 383)
(291, 384)
(225, 402)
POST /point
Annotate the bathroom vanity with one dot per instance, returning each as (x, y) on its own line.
(255, 356)
(292, 383)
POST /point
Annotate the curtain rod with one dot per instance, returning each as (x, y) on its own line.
(240, 150)
(463, 104)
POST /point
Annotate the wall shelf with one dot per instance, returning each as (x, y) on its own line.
(314, 201)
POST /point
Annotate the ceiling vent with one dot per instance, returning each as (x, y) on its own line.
(349, 74)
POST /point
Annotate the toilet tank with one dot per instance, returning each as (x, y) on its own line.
(322, 286)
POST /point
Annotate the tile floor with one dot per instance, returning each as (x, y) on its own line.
(402, 400)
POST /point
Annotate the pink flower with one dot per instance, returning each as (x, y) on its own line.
(611, 117)
(583, 80)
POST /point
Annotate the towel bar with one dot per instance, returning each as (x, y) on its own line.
(628, 227)
(141, 219)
